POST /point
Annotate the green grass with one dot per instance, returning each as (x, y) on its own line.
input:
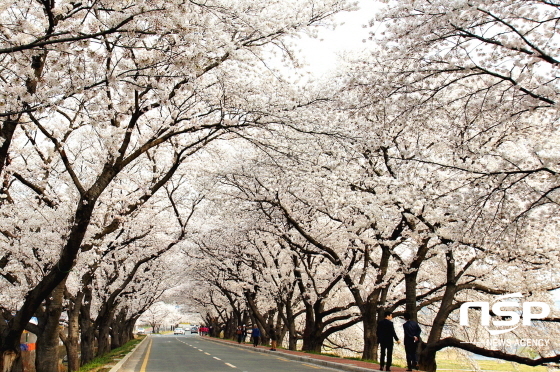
(453, 361)
(489, 365)
(98, 363)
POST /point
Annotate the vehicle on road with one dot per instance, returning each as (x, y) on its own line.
(179, 331)
(194, 330)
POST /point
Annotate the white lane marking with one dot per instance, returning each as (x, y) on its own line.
(216, 358)
(207, 353)
(230, 365)
(200, 350)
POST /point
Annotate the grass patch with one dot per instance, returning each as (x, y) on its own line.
(453, 361)
(99, 364)
(488, 365)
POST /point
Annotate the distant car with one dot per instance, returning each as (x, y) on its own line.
(194, 330)
(179, 331)
(141, 332)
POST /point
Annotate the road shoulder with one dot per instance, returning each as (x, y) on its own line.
(132, 359)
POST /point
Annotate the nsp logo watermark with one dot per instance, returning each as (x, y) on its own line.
(497, 308)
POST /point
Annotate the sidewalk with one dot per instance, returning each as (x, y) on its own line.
(340, 364)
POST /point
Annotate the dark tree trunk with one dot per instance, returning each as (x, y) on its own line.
(290, 325)
(87, 331)
(426, 359)
(129, 329)
(103, 344)
(230, 328)
(46, 354)
(370, 333)
(118, 330)
(312, 340)
(71, 340)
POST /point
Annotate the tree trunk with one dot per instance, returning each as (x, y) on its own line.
(370, 335)
(129, 329)
(118, 330)
(71, 341)
(313, 342)
(426, 359)
(87, 331)
(292, 337)
(103, 345)
(290, 323)
(410, 293)
(229, 325)
(46, 354)
(313, 335)
(71, 344)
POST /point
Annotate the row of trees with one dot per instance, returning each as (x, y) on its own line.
(423, 177)
(104, 107)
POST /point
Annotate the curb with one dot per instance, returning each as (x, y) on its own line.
(118, 366)
(324, 363)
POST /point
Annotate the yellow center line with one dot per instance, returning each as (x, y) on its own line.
(310, 365)
(145, 363)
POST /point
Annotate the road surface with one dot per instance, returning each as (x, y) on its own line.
(193, 353)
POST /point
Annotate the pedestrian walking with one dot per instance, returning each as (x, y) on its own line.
(256, 334)
(385, 335)
(411, 339)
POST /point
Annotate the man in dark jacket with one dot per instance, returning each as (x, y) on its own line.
(411, 338)
(385, 335)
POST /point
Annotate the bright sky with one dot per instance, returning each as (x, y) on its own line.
(322, 53)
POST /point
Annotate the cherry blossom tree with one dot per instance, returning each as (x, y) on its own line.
(463, 92)
(111, 99)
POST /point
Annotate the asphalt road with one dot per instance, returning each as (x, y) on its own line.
(192, 353)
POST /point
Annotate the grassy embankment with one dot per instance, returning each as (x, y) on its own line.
(105, 362)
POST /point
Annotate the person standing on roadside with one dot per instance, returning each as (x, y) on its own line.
(256, 334)
(411, 338)
(385, 335)
(239, 333)
(273, 338)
